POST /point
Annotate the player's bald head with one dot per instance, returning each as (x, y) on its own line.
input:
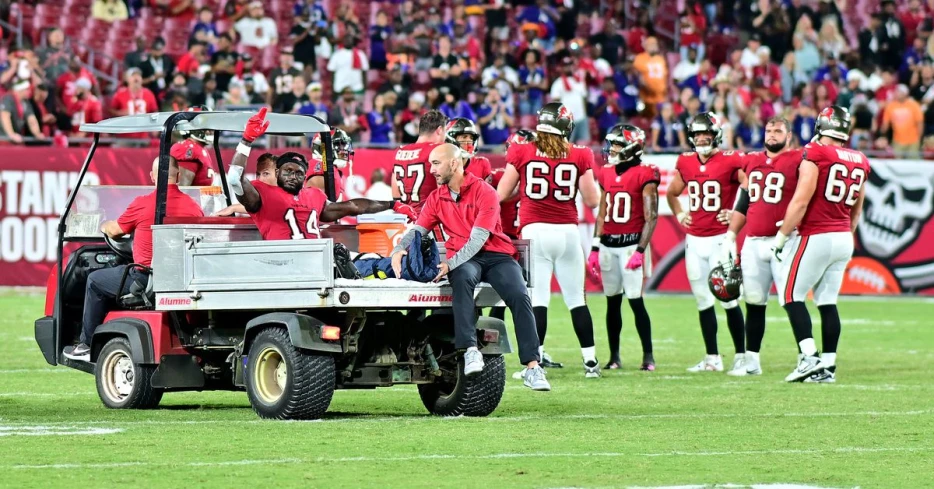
(173, 169)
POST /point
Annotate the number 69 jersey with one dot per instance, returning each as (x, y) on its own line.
(771, 183)
(285, 216)
(711, 187)
(623, 195)
(841, 173)
(548, 186)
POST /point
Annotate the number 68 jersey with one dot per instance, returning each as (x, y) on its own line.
(548, 186)
(711, 187)
(771, 183)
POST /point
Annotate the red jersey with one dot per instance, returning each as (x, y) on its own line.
(548, 186)
(771, 183)
(141, 102)
(480, 166)
(841, 173)
(317, 170)
(625, 213)
(286, 216)
(413, 174)
(196, 159)
(84, 111)
(711, 186)
(140, 214)
(66, 82)
(478, 206)
(509, 217)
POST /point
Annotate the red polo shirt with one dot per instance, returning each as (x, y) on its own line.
(141, 213)
(477, 206)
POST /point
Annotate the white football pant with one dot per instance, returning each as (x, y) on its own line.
(556, 249)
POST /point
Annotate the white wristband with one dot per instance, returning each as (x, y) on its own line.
(243, 149)
(596, 242)
(731, 236)
(780, 239)
(681, 216)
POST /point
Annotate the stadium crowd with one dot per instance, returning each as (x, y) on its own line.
(373, 71)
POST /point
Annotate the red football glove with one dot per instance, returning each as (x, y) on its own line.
(256, 126)
(401, 208)
(635, 261)
(593, 263)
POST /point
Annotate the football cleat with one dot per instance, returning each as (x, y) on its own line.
(547, 362)
(591, 369)
(614, 364)
(827, 376)
(710, 363)
(648, 363)
(738, 369)
(809, 365)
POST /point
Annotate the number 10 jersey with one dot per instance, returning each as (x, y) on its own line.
(548, 186)
(711, 187)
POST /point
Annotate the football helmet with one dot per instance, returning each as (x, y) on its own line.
(632, 140)
(520, 136)
(833, 122)
(459, 126)
(725, 281)
(340, 143)
(205, 136)
(555, 118)
(705, 122)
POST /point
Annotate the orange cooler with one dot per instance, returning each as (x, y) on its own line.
(380, 233)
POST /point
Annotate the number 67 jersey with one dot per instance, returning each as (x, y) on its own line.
(711, 187)
(548, 186)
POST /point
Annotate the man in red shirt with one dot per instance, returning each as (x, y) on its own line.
(103, 285)
(134, 98)
(67, 82)
(194, 159)
(82, 106)
(190, 62)
(477, 251)
(290, 210)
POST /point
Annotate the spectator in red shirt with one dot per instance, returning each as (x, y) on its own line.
(911, 18)
(65, 84)
(190, 62)
(175, 8)
(83, 107)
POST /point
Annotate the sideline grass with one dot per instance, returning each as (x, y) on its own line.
(872, 429)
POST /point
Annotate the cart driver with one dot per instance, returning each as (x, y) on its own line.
(289, 210)
(103, 284)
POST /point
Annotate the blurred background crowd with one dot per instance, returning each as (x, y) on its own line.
(373, 67)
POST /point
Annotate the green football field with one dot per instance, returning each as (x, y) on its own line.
(873, 429)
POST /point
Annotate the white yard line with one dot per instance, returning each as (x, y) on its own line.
(37, 370)
(418, 418)
(492, 456)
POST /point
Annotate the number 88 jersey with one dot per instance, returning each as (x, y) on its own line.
(771, 183)
(711, 187)
(548, 186)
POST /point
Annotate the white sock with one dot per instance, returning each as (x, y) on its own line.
(713, 358)
(541, 352)
(474, 348)
(808, 347)
(738, 356)
(752, 355)
(829, 358)
(589, 354)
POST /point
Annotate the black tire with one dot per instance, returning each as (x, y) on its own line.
(478, 395)
(303, 390)
(121, 382)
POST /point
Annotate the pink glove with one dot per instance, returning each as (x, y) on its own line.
(407, 210)
(635, 261)
(256, 126)
(593, 263)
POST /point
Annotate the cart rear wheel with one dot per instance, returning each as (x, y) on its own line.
(459, 395)
(122, 383)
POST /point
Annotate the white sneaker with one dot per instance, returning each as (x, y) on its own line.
(473, 362)
(753, 367)
(592, 369)
(738, 369)
(535, 379)
(519, 375)
(710, 363)
(808, 366)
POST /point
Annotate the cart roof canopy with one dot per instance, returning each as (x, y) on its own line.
(216, 121)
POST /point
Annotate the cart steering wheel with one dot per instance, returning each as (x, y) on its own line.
(122, 246)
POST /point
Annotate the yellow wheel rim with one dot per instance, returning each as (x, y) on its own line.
(270, 375)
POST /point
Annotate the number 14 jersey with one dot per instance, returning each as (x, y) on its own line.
(711, 187)
(548, 186)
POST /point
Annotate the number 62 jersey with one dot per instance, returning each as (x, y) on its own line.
(711, 187)
(548, 186)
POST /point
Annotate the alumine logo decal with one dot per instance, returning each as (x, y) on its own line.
(174, 301)
(430, 298)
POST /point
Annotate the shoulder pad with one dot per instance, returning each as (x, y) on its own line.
(578, 146)
(689, 153)
(730, 153)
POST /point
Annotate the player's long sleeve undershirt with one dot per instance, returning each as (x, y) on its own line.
(474, 244)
